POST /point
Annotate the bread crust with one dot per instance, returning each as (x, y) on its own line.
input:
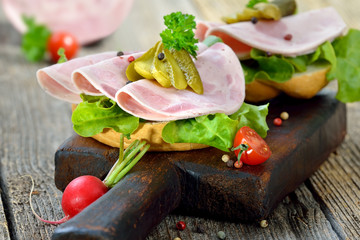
(151, 133)
(302, 85)
(148, 131)
(257, 91)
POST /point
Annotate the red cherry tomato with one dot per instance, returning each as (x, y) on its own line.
(258, 151)
(62, 40)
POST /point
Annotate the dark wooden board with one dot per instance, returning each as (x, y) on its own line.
(198, 182)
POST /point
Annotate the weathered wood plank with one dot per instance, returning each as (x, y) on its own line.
(4, 229)
(28, 147)
(297, 217)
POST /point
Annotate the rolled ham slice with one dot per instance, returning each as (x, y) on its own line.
(104, 74)
(308, 30)
(105, 77)
(88, 20)
(56, 80)
(224, 90)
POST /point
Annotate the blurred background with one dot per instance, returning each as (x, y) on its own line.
(136, 24)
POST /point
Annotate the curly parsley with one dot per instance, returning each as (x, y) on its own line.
(252, 3)
(179, 33)
(34, 40)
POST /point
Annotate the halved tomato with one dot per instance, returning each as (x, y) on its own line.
(256, 150)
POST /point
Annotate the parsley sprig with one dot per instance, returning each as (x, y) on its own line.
(179, 33)
(61, 53)
(34, 40)
(252, 3)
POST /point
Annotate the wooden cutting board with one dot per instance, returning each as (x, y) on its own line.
(198, 182)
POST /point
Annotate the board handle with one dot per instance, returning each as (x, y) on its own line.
(140, 201)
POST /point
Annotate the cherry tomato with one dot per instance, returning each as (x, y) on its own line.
(258, 151)
(62, 40)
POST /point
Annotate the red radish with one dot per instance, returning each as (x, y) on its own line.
(84, 190)
(80, 193)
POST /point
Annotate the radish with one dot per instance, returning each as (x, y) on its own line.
(84, 190)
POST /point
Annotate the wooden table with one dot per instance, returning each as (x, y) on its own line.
(33, 125)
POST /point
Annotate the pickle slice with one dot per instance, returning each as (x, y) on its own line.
(191, 74)
(143, 64)
(131, 73)
(176, 69)
(273, 10)
(177, 77)
(159, 70)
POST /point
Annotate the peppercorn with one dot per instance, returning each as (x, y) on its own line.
(288, 37)
(284, 116)
(180, 225)
(119, 53)
(225, 158)
(264, 223)
(131, 58)
(200, 228)
(268, 54)
(230, 163)
(161, 56)
(277, 122)
(254, 20)
(238, 164)
(221, 235)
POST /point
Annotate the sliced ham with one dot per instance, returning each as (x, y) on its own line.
(224, 90)
(308, 30)
(56, 79)
(103, 78)
(104, 74)
(88, 20)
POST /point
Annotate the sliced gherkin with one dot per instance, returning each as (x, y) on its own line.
(131, 73)
(159, 70)
(272, 10)
(187, 65)
(287, 7)
(175, 69)
(177, 77)
(143, 64)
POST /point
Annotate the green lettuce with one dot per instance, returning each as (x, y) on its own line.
(280, 69)
(347, 51)
(217, 130)
(343, 55)
(98, 112)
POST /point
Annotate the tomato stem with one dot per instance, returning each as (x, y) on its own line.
(243, 147)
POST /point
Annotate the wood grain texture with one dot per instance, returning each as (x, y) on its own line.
(33, 125)
(207, 186)
(4, 229)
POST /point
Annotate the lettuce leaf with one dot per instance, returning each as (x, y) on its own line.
(217, 130)
(98, 112)
(253, 117)
(347, 51)
(272, 68)
(280, 69)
